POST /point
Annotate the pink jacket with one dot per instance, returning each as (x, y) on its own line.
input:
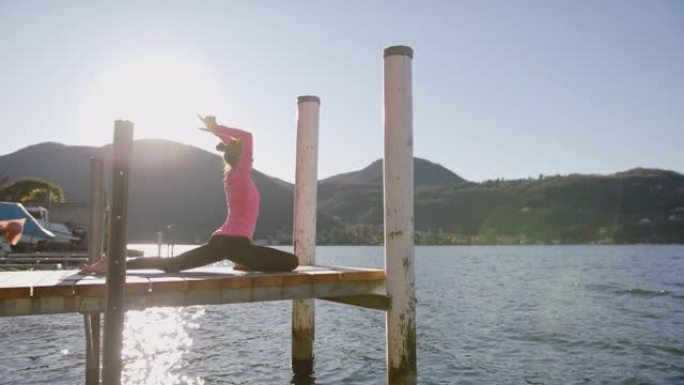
(242, 196)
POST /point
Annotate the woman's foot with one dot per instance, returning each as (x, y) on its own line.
(98, 267)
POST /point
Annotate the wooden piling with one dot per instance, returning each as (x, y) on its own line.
(97, 208)
(399, 247)
(91, 320)
(116, 266)
(303, 315)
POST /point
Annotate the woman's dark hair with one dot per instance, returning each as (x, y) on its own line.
(231, 151)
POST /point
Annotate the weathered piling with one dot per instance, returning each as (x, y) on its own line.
(399, 247)
(97, 209)
(95, 234)
(303, 315)
(116, 265)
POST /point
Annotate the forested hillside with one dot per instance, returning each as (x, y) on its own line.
(179, 185)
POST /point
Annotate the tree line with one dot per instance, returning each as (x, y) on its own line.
(31, 190)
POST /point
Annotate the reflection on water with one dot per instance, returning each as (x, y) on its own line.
(156, 342)
(303, 379)
(486, 315)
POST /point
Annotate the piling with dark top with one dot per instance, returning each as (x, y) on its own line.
(304, 237)
(116, 265)
(399, 248)
(95, 234)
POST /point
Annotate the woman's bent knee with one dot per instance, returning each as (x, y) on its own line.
(293, 262)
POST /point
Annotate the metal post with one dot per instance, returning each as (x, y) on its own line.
(399, 250)
(303, 321)
(116, 266)
(95, 235)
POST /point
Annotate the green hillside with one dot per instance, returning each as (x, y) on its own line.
(638, 206)
(179, 185)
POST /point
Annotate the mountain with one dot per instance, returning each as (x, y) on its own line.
(357, 197)
(635, 206)
(172, 183)
(425, 172)
(67, 166)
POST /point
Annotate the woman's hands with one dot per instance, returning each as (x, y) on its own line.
(209, 123)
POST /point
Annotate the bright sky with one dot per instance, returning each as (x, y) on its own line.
(501, 88)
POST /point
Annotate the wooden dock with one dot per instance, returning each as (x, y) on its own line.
(50, 260)
(66, 291)
(391, 289)
(42, 260)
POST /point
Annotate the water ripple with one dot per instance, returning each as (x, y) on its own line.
(486, 315)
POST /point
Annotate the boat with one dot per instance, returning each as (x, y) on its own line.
(33, 234)
(40, 234)
(67, 237)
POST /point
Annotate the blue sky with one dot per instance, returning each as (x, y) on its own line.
(501, 88)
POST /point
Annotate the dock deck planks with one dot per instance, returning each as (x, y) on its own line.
(66, 291)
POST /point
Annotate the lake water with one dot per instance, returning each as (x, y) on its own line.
(485, 315)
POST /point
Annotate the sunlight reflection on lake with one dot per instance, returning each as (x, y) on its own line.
(485, 315)
(156, 342)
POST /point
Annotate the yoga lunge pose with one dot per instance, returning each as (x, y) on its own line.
(232, 240)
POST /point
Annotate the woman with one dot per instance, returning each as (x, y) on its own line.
(232, 240)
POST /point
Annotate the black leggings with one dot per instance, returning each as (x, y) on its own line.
(236, 249)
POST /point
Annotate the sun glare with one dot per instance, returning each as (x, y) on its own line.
(161, 94)
(157, 342)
